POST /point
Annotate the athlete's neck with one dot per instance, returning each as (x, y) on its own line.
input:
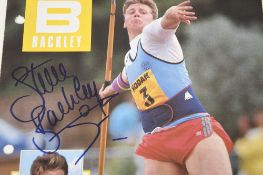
(133, 35)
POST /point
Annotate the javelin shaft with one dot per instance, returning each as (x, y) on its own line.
(104, 126)
(110, 42)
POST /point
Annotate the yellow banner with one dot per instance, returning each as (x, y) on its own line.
(57, 26)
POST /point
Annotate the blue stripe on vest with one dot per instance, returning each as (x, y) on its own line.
(184, 104)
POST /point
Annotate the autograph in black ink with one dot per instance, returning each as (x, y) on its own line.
(44, 83)
(122, 138)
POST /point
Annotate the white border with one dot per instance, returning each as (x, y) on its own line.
(3, 4)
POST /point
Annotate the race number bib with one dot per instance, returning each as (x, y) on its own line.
(147, 92)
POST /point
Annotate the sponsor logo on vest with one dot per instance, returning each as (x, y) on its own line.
(146, 65)
(140, 81)
(187, 96)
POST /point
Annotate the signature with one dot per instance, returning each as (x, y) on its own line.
(44, 83)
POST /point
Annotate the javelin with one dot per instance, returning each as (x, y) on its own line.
(104, 126)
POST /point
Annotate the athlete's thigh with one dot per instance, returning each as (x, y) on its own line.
(209, 157)
(154, 167)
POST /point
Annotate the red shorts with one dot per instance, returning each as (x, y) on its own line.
(176, 143)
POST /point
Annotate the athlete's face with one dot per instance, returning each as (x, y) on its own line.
(136, 17)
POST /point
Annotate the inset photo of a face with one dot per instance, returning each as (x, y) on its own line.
(61, 162)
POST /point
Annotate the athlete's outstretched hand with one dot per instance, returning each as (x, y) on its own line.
(183, 12)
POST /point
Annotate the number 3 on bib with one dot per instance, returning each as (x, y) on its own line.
(146, 91)
(148, 99)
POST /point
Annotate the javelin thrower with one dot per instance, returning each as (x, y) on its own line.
(181, 137)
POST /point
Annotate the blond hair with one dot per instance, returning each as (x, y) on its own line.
(149, 3)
